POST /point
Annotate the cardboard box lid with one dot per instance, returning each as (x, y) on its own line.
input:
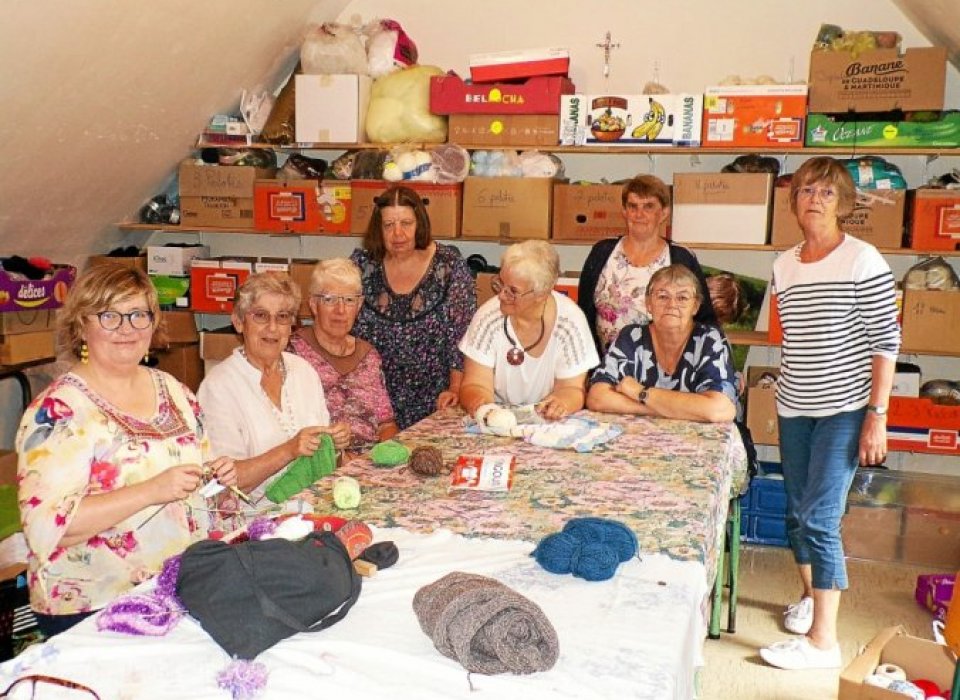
(500, 58)
(757, 90)
(722, 188)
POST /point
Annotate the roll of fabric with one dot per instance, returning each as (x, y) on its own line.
(486, 626)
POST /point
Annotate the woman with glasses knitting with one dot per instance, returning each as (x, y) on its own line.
(263, 406)
(673, 366)
(111, 455)
(529, 345)
(419, 298)
(837, 302)
(349, 368)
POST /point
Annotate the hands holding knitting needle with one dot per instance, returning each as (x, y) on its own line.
(177, 483)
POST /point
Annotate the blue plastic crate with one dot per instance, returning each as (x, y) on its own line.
(764, 508)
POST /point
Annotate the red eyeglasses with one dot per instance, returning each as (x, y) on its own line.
(38, 679)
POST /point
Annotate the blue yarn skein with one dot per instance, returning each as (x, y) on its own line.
(611, 532)
(556, 551)
(589, 548)
(595, 561)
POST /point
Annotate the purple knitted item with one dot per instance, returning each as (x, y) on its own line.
(260, 528)
(244, 679)
(167, 580)
(139, 614)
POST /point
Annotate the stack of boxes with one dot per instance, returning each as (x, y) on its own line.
(28, 316)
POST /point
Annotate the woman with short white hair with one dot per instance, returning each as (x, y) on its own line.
(529, 344)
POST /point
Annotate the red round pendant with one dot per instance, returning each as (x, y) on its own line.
(515, 356)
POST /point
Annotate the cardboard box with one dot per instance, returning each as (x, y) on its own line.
(217, 195)
(919, 425)
(136, 261)
(302, 206)
(449, 94)
(214, 282)
(935, 219)
(631, 120)
(930, 321)
(173, 260)
(8, 467)
(826, 131)
(32, 321)
(568, 284)
(27, 347)
(523, 63)
(920, 658)
(183, 362)
(50, 293)
(512, 208)
(219, 344)
(877, 218)
(877, 81)
(754, 116)
(872, 532)
(721, 207)
(504, 129)
(332, 108)
(931, 538)
(444, 204)
(176, 327)
(762, 407)
(906, 380)
(587, 212)
(301, 270)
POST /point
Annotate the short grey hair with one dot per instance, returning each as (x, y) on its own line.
(271, 282)
(534, 261)
(677, 274)
(338, 270)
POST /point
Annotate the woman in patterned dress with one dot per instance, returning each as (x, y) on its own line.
(613, 283)
(349, 368)
(673, 366)
(110, 457)
(419, 298)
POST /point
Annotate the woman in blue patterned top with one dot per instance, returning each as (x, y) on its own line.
(672, 367)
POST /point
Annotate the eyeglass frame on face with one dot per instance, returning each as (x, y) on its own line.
(139, 313)
(52, 680)
(262, 317)
(498, 287)
(824, 194)
(682, 299)
(348, 300)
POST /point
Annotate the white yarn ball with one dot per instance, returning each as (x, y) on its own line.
(501, 419)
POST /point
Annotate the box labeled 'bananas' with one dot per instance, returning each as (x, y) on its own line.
(631, 120)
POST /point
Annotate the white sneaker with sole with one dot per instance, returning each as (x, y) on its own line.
(796, 654)
(798, 618)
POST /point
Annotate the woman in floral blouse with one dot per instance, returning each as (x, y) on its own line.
(110, 457)
(419, 298)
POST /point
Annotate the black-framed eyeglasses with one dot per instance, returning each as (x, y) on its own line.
(35, 679)
(500, 289)
(262, 317)
(112, 320)
(334, 299)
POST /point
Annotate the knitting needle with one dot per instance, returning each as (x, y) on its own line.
(153, 515)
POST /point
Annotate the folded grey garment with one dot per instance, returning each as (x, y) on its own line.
(485, 626)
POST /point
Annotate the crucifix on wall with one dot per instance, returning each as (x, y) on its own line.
(607, 47)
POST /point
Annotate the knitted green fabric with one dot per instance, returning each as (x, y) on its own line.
(389, 453)
(303, 471)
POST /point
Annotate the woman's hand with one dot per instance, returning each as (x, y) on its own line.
(873, 439)
(629, 387)
(340, 433)
(176, 483)
(223, 469)
(552, 408)
(447, 399)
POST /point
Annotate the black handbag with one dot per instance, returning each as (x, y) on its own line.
(251, 595)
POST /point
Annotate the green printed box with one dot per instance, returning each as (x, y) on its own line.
(926, 130)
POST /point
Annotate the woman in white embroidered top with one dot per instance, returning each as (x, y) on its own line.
(837, 302)
(529, 345)
(264, 406)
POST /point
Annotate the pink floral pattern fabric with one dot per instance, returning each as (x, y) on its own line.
(621, 293)
(72, 443)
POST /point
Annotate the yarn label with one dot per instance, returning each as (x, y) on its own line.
(490, 472)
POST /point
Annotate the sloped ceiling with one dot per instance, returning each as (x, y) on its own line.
(938, 21)
(101, 99)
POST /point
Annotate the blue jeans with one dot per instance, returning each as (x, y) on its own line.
(819, 457)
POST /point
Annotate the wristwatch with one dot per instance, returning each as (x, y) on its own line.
(642, 396)
(879, 410)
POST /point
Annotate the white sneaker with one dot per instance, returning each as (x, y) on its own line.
(798, 618)
(795, 654)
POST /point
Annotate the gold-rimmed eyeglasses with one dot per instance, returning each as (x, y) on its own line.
(508, 293)
(682, 299)
(334, 299)
(262, 317)
(824, 194)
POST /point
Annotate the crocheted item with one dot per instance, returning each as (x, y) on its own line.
(261, 528)
(389, 453)
(346, 492)
(589, 548)
(244, 679)
(486, 626)
(426, 460)
(140, 614)
(303, 471)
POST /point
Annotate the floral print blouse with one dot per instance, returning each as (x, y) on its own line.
(353, 387)
(417, 334)
(621, 293)
(73, 443)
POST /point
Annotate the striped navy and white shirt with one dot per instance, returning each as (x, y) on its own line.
(836, 314)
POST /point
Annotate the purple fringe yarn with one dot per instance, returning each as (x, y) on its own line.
(167, 580)
(244, 679)
(260, 528)
(140, 614)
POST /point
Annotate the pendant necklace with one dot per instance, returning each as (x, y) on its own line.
(515, 355)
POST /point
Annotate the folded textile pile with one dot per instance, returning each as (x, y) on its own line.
(571, 433)
(486, 626)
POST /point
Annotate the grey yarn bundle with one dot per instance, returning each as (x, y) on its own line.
(486, 626)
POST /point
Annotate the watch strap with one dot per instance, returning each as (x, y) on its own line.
(879, 410)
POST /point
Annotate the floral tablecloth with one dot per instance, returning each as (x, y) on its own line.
(669, 480)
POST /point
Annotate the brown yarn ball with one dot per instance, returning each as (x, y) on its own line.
(426, 460)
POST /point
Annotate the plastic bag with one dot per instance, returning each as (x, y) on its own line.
(399, 108)
(333, 48)
(388, 48)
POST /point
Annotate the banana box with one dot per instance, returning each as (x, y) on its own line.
(631, 120)
(751, 116)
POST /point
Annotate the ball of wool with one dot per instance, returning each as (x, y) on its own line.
(140, 614)
(610, 532)
(244, 679)
(356, 536)
(261, 528)
(346, 492)
(594, 561)
(389, 453)
(167, 579)
(556, 551)
(426, 460)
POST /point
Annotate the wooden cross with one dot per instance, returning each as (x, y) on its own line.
(607, 47)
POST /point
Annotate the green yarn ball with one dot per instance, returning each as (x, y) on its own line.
(389, 453)
(346, 492)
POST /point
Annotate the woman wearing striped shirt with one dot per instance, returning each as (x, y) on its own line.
(837, 303)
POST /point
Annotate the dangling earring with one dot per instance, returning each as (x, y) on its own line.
(84, 353)
(146, 357)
